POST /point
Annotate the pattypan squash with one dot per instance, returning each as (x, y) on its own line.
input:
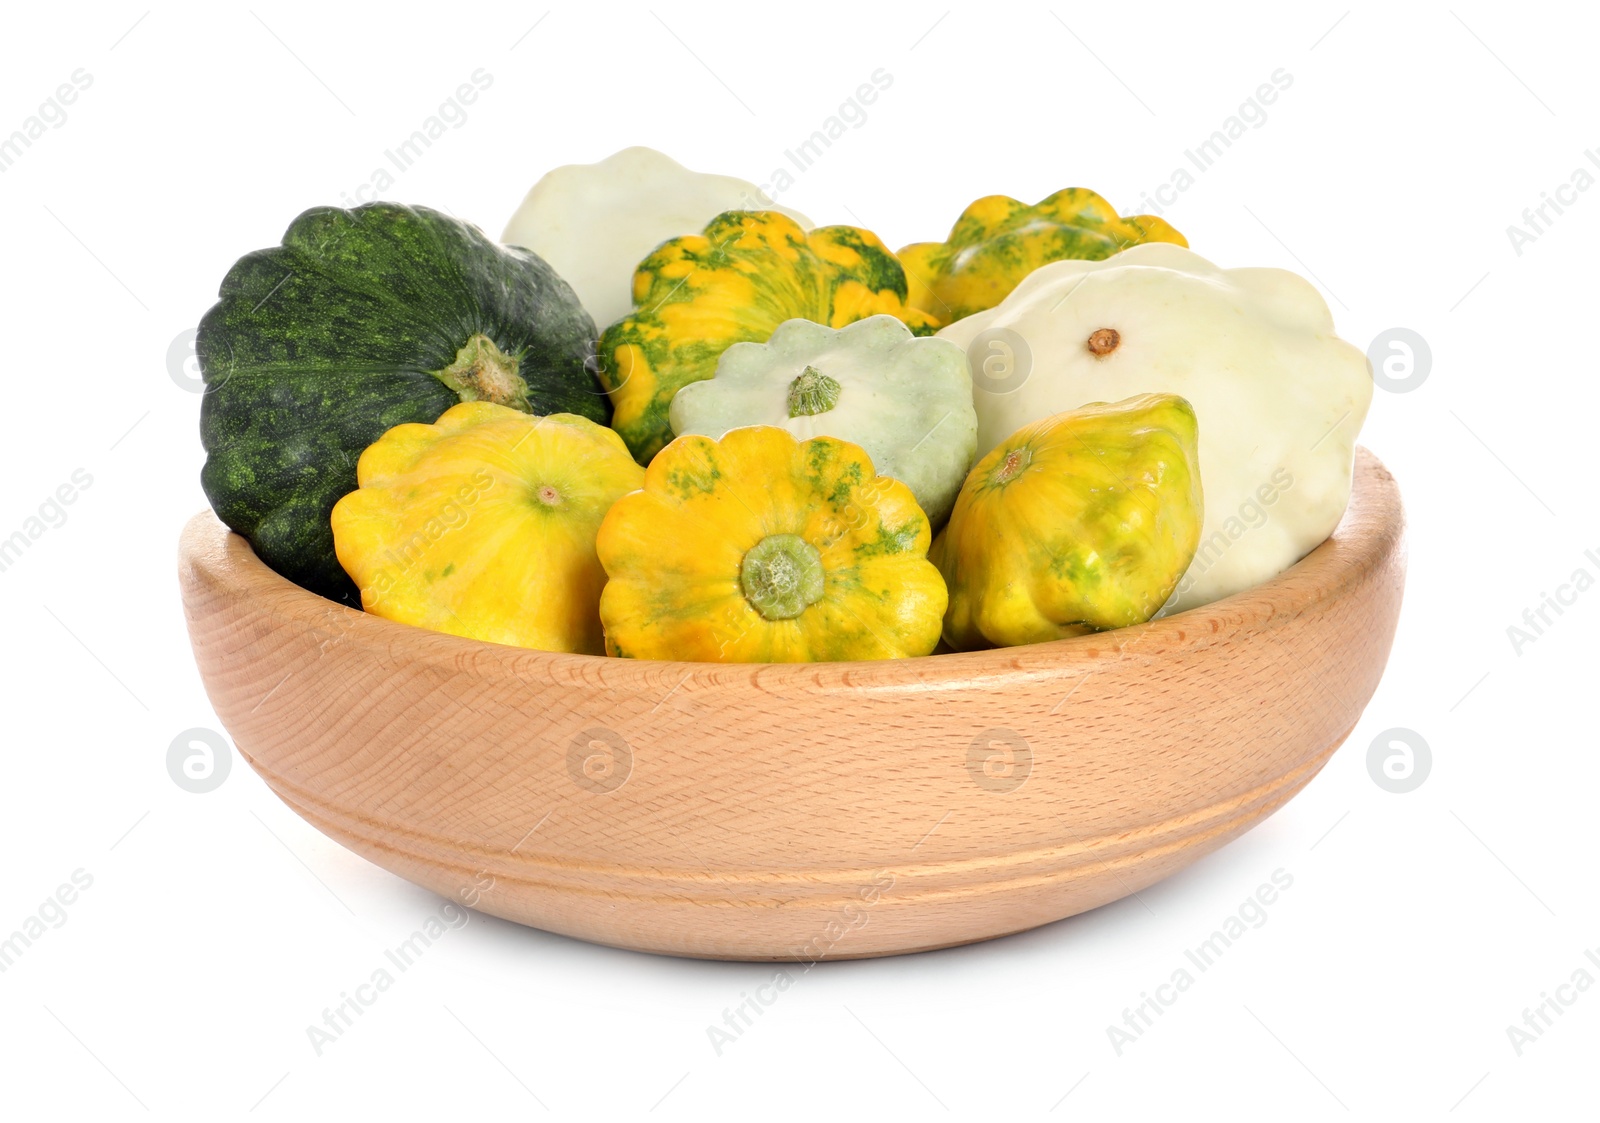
(1279, 396)
(364, 319)
(483, 524)
(595, 222)
(999, 240)
(697, 295)
(1073, 524)
(762, 548)
(906, 401)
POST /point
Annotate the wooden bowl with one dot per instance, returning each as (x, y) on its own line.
(798, 811)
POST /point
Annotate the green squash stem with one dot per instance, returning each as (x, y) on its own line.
(481, 372)
(811, 393)
(782, 576)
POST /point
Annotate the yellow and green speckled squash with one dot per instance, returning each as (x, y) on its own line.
(762, 548)
(999, 240)
(1077, 523)
(697, 295)
(483, 524)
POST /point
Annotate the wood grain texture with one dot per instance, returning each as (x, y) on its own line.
(779, 812)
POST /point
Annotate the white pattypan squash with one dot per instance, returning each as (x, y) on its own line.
(594, 223)
(1279, 397)
(906, 401)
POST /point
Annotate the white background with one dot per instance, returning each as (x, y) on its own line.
(219, 926)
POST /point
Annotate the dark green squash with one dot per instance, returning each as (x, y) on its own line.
(362, 320)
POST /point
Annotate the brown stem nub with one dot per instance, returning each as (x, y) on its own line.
(1104, 341)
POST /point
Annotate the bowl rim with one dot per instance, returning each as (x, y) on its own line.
(1370, 530)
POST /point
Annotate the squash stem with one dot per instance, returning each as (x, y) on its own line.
(811, 393)
(481, 372)
(1011, 466)
(782, 576)
(1103, 342)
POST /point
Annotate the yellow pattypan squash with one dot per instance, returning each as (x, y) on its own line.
(697, 295)
(483, 524)
(761, 548)
(999, 240)
(1073, 524)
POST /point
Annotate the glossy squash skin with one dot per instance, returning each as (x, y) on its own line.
(359, 321)
(697, 295)
(999, 240)
(483, 525)
(762, 548)
(1077, 523)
